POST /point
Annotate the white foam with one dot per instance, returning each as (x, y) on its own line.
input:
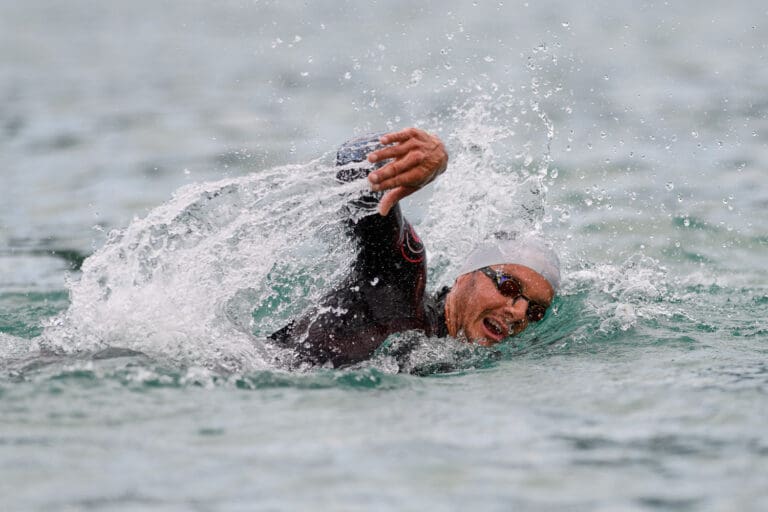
(165, 284)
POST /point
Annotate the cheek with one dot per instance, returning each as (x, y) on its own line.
(485, 303)
(473, 317)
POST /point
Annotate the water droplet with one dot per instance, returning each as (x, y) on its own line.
(565, 216)
(606, 77)
(416, 76)
(553, 172)
(488, 58)
(347, 75)
(603, 135)
(670, 185)
(686, 222)
(565, 24)
(695, 134)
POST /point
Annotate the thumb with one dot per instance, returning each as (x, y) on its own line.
(391, 198)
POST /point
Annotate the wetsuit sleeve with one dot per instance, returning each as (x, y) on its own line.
(385, 243)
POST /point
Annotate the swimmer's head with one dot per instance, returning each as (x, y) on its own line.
(502, 287)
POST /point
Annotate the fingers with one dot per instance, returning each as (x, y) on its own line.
(401, 136)
(415, 178)
(391, 151)
(405, 171)
(392, 197)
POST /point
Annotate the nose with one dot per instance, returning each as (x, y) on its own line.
(516, 308)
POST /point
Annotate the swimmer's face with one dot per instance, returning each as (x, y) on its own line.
(484, 314)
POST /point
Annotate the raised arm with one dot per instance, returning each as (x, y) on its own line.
(384, 292)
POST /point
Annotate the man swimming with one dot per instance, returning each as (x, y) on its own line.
(502, 287)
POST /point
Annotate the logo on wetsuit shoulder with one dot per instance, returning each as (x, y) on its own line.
(411, 246)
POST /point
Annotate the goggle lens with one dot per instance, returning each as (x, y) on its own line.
(536, 312)
(510, 288)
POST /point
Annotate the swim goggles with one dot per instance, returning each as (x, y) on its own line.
(510, 287)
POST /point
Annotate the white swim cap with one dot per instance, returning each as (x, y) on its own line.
(528, 250)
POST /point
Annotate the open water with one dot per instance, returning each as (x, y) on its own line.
(168, 201)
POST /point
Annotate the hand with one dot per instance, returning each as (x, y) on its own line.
(419, 158)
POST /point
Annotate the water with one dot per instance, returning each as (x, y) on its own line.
(184, 149)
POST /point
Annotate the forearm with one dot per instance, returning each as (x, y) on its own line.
(374, 233)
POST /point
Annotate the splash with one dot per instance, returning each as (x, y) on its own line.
(496, 183)
(178, 282)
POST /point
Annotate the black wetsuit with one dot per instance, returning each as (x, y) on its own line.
(384, 292)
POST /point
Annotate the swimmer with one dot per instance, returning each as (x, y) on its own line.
(503, 286)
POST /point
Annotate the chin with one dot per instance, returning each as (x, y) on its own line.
(479, 339)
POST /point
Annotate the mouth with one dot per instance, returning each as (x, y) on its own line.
(495, 330)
